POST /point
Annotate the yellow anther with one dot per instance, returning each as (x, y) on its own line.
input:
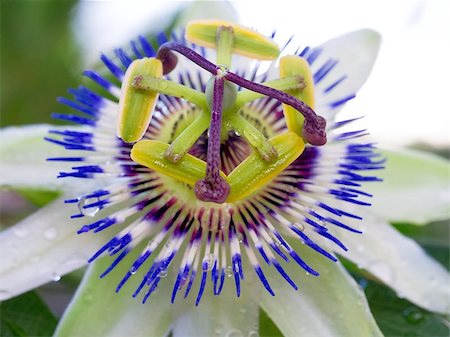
(246, 41)
(136, 105)
(254, 172)
(151, 154)
(292, 65)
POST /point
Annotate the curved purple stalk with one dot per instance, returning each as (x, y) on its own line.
(166, 56)
(213, 187)
(314, 127)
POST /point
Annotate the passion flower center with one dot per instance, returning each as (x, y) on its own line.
(220, 106)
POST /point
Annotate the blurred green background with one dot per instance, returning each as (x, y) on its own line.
(39, 59)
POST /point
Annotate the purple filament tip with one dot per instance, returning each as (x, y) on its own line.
(314, 126)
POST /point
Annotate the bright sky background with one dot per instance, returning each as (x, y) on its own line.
(406, 98)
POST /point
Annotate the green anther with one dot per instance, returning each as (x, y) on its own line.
(149, 83)
(184, 141)
(292, 65)
(253, 173)
(246, 41)
(224, 45)
(253, 136)
(151, 154)
(136, 106)
(229, 95)
(287, 84)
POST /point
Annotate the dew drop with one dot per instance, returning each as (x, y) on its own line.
(237, 133)
(133, 270)
(222, 67)
(209, 261)
(413, 315)
(20, 231)
(300, 227)
(253, 333)
(162, 273)
(234, 333)
(149, 244)
(56, 277)
(50, 233)
(240, 237)
(218, 329)
(91, 211)
(229, 271)
(88, 296)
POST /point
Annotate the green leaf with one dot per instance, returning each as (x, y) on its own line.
(38, 197)
(399, 318)
(267, 327)
(26, 315)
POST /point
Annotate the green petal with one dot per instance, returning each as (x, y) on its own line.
(97, 310)
(220, 316)
(330, 305)
(399, 262)
(43, 247)
(23, 158)
(416, 188)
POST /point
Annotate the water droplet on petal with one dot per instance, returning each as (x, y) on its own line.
(240, 237)
(413, 315)
(299, 226)
(20, 231)
(50, 233)
(162, 273)
(91, 211)
(218, 329)
(234, 333)
(209, 261)
(56, 277)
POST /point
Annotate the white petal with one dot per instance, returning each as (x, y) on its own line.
(416, 188)
(355, 53)
(399, 262)
(222, 316)
(23, 158)
(330, 305)
(43, 247)
(206, 10)
(97, 310)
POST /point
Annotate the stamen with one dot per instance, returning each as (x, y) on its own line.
(213, 187)
(313, 128)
